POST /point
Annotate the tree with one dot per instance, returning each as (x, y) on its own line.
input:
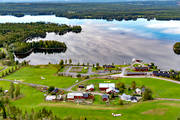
(97, 65)
(121, 102)
(133, 85)
(50, 89)
(11, 90)
(88, 64)
(17, 92)
(66, 61)
(78, 75)
(147, 95)
(3, 109)
(61, 63)
(121, 87)
(70, 61)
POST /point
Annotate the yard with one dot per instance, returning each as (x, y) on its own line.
(160, 88)
(33, 74)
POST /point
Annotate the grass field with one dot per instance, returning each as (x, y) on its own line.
(151, 110)
(160, 88)
(33, 74)
(155, 110)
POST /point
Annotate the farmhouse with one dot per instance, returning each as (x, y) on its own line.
(112, 90)
(90, 87)
(104, 86)
(76, 95)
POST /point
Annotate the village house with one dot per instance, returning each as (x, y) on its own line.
(112, 90)
(104, 86)
(108, 66)
(90, 87)
(141, 69)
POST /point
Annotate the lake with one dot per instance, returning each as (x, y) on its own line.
(110, 41)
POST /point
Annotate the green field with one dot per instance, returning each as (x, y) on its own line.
(33, 74)
(150, 110)
(155, 110)
(160, 88)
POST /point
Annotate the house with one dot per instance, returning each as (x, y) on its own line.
(104, 86)
(50, 97)
(141, 68)
(138, 91)
(112, 90)
(81, 86)
(126, 97)
(108, 66)
(136, 60)
(90, 87)
(76, 95)
(53, 97)
(105, 97)
(85, 95)
(134, 99)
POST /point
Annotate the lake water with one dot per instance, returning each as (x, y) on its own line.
(110, 41)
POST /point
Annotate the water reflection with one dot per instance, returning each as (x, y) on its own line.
(114, 41)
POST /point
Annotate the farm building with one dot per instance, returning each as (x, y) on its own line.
(104, 86)
(105, 97)
(53, 97)
(72, 96)
(141, 68)
(108, 66)
(135, 73)
(90, 87)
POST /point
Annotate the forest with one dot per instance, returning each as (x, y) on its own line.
(161, 10)
(21, 32)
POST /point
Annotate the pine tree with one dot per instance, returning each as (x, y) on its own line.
(11, 90)
(17, 92)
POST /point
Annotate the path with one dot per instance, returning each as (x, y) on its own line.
(5, 67)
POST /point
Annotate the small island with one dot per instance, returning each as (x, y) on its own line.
(176, 48)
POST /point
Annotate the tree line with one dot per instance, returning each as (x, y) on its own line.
(161, 10)
(21, 32)
(22, 47)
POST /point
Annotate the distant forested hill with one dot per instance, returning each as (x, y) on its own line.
(164, 10)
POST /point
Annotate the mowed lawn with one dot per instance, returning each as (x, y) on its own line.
(160, 88)
(150, 110)
(33, 74)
